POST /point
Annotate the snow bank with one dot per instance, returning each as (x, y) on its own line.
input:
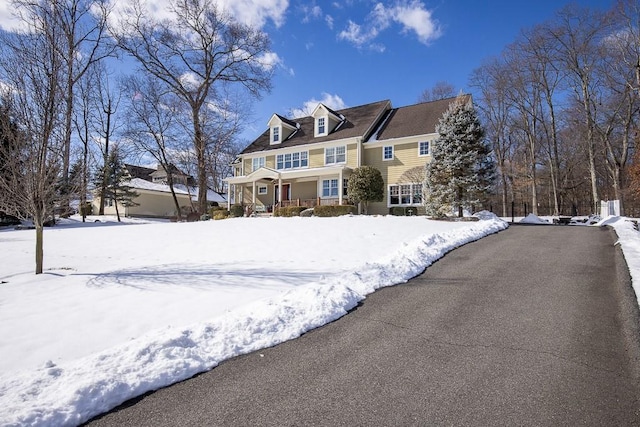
(533, 219)
(629, 241)
(71, 392)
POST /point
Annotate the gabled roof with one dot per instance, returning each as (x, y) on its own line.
(418, 119)
(359, 121)
(286, 121)
(139, 172)
(335, 115)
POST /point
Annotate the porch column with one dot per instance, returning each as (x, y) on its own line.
(279, 191)
(253, 194)
(340, 185)
(229, 196)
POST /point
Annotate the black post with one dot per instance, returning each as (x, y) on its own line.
(513, 207)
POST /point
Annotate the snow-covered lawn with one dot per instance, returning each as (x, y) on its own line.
(126, 308)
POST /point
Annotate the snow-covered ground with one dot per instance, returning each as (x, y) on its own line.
(126, 308)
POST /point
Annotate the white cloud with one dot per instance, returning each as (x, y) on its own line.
(257, 12)
(334, 102)
(414, 17)
(251, 12)
(329, 20)
(311, 12)
(411, 14)
(8, 22)
(354, 34)
(270, 60)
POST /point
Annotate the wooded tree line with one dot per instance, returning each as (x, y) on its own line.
(561, 108)
(65, 112)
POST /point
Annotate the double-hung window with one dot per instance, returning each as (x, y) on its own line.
(258, 162)
(292, 160)
(329, 188)
(335, 155)
(275, 132)
(405, 194)
(423, 148)
(321, 126)
(387, 152)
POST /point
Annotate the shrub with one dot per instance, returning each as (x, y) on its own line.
(307, 212)
(288, 211)
(236, 211)
(338, 210)
(86, 209)
(214, 209)
(396, 211)
(365, 185)
(220, 214)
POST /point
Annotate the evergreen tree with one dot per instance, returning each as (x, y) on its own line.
(365, 185)
(461, 170)
(115, 175)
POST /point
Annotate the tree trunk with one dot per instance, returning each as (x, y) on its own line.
(173, 193)
(201, 159)
(39, 244)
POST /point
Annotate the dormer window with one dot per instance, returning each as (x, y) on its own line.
(326, 120)
(321, 126)
(281, 129)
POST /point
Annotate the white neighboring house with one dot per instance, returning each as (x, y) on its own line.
(154, 198)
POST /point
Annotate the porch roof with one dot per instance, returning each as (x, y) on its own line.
(272, 174)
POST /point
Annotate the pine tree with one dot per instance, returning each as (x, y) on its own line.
(116, 177)
(461, 170)
(365, 185)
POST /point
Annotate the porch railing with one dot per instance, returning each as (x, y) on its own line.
(310, 203)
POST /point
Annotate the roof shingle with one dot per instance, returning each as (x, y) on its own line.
(359, 121)
(418, 119)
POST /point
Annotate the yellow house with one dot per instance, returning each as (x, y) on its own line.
(307, 161)
(154, 198)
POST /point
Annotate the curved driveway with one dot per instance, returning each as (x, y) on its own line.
(531, 326)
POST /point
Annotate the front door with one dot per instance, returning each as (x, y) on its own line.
(286, 193)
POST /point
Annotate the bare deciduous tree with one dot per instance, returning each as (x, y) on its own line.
(494, 106)
(191, 55)
(441, 90)
(32, 69)
(152, 115)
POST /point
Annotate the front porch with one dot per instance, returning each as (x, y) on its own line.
(266, 189)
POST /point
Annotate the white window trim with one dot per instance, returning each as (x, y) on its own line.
(413, 203)
(335, 156)
(261, 164)
(384, 149)
(338, 188)
(428, 149)
(326, 126)
(273, 134)
(300, 160)
(262, 190)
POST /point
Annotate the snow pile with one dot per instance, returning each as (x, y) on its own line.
(629, 240)
(533, 219)
(124, 309)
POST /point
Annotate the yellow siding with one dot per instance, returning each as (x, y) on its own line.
(270, 162)
(304, 190)
(316, 158)
(405, 157)
(352, 155)
(150, 204)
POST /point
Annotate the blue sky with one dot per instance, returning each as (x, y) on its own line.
(318, 62)
(352, 52)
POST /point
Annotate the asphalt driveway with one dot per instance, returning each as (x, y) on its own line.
(536, 325)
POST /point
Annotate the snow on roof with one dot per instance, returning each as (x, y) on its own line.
(142, 184)
(212, 196)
